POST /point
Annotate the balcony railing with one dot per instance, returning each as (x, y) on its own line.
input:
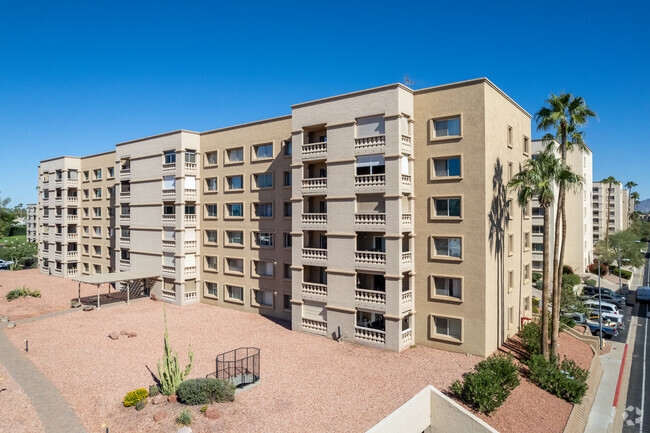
(314, 185)
(406, 181)
(190, 193)
(407, 337)
(370, 220)
(314, 254)
(125, 262)
(169, 193)
(407, 258)
(190, 246)
(190, 219)
(314, 218)
(406, 144)
(169, 270)
(371, 335)
(72, 218)
(316, 326)
(73, 200)
(314, 150)
(168, 294)
(370, 181)
(407, 300)
(369, 258)
(190, 271)
(190, 166)
(72, 182)
(125, 217)
(370, 296)
(314, 289)
(169, 219)
(125, 172)
(72, 272)
(407, 219)
(125, 195)
(190, 296)
(171, 166)
(169, 244)
(125, 240)
(72, 255)
(370, 144)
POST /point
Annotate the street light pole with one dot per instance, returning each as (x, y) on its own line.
(600, 312)
(620, 287)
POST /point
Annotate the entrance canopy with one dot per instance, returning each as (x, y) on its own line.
(112, 277)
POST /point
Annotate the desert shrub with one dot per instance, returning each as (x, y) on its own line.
(141, 404)
(536, 305)
(536, 277)
(132, 398)
(624, 274)
(204, 409)
(489, 385)
(185, 417)
(593, 268)
(154, 390)
(205, 391)
(531, 336)
(570, 279)
(567, 321)
(590, 282)
(22, 292)
(566, 269)
(566, 380)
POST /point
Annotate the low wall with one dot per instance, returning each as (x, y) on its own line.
(580, 413)
(431, 411)
(591, 340)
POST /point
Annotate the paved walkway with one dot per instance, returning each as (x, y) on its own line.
(54, 412)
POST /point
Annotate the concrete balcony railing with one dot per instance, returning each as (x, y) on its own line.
(374, 297)
(72, 255)
(190, 219)
(314, 151)
(58, 180)
(58, 200)
(407, 300)
(407, 337)
(169, 270)
(406, 144)
(407, 219)
(190, 194)
(370, 182)
(58, 217)
(314, 291)
(72, 218)
(314, 255)
(125, 263)
(370, 335)
(315, 326)
(374, 144)
(71, 182)
(125, 240)
(190, 246)
(72, 272)
(168, 194)
(407, 258)
(190, 167)
(190, 296)
(314, 185)
(169, 245)
(370, 221)
(168, 219)
(58, 253)
(125, 195)
(125, 173)
(169, 166)
(311, 220)
(190, 271)
(58, 235)
(370, 260)
(407, 181)
(125, 218)
(73, 200)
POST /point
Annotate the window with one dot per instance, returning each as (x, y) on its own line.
(97, 192)
(447, 207)
(235, 237)
(126, 232)
(371, 126)
(448, 247)
(448, 327)
(169, 209)
(287, 178)
(235, 182)
(212, 158)
(263, 210)
(86, 194)
(263, 151)
(287, 209)
(445, 286)
(86, 175)
(97, 250)
(287, 240)
(211, 210)
(170, 157)
(97, 211)
(526, 145)
(111, 171)
(537, 247)
(235, 265)
(288, 151)
(86, 212)
(526, 241)
(511, 280)
(511, 317)
(509, 138)
(211, 183)
(263, 239)
(510, 170)
(287, 302)
(537, 211)
(263, 269)
(264, 298)
(211, 236)
(235, 293)
(370, 164)
(526, 273)
(97, 231)
(190, 209)
(97, 173)
(74, 174)
(211, 289)
(211, 262)
(511, 244)
(537, 264)
(235, 209)
(537, 229)
(447, 167)
(263, 180)
(287, 271)
(190, 156)
(447, 127)
(235, 155)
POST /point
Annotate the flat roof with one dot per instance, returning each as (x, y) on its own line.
(114, 277)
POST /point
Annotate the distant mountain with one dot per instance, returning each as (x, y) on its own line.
(644, 206)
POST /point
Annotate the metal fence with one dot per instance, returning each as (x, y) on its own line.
(240, 366)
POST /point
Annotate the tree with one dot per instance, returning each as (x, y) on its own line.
(7, 216)
(18, 250)
(635, 197)
(628, 241)
(563, 115)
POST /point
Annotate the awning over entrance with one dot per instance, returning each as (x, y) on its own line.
(112, 277)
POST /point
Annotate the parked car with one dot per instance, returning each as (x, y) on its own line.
(608, 329)
(5, 264)
(606, 297)
(589, 291)
(643, 294)
(609, 311)
(617, 322)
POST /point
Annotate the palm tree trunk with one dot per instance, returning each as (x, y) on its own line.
(557, 273)
(545, 279)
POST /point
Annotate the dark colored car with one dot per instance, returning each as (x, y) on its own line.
(590, 292)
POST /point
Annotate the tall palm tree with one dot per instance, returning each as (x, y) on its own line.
(635, 197)
(536, 180)
(629, 185)
(609, 181)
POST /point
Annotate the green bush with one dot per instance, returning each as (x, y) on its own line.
(570, 279)
(185, 417)
(624, 274)
(567, 321)
(154, 390)
(531, 336)
(590, 282)
(22, 292)
(536, 303)
(489, 385)
(536, 277)
(566, 269)
(205, 391)
(567, 380)
(132, 398)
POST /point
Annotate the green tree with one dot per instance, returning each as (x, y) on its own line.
(16, 251)
(7, 216)
(628, 240)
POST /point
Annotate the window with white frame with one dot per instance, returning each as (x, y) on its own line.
(170, 157)
(370, 164)
(190, 156)
(263, 151)
(447, 207)
(448, 327)
(447, 247)
(446, 286)
(263, 239)
(447, 127)
(169, 182)
(447, 167)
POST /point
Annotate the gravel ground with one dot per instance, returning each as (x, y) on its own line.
(309, 383)
(17, 414)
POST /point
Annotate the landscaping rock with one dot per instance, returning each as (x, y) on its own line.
(212, 413)
(4, 319)
(89, 308)
(113, 335)
(157, 399)
(131, 334)
(123, 332)
(184, 430)
(172, 398)
(11, 325)
(159, 416)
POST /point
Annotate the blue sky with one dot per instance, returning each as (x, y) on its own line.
(76, 77)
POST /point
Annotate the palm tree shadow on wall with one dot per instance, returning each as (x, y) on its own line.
(498, 218)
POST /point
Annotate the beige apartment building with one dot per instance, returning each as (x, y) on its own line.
(32, 222)
(579, 245)
(614, 219)
(346, 217)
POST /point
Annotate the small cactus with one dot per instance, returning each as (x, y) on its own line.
(154, 390)
(141, 404)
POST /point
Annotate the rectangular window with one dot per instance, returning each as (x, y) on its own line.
(97, 192)
(287, 209)
(537, 229)
(262, 268)
(126, 232)
(235, 293)
(212, 158)
(537, 264)
(86, 194)
(511, 280)
(448, 287)
(264, 298)
(370, 164)
(447, 167)
(526, 145)
(511, 244)
(97, 250)
(526, 240)
(170, 157)
(97, 231)
(235, 155)
(447, 128)
(263, 151)
(211, 262)
(97, 173)
(211, 210)
(74, 174)
(287, 302)
(86, 175)
(509, 138)
(235, 209)
(447, 207)
(97, 211)
(169, 209)
(448, 247)
(169, 182)
(537, 247)
(371, 126)
(190, 209)
(448, 327)
(287, 178)
(263, 210)
(263, 180)
(511, 316)
(211, 236)
(211, 183)
(190, 156)
(526, 272)
(235, 237)
(263, 239)
(235, 182)
(111, 172)
(288, 151)
(211, 289)
(287, 271)
(235, 265)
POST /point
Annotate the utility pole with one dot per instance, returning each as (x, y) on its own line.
(600, 312)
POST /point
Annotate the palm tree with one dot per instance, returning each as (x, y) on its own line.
(635, 197)
(629, 185)
(536, 180)
(609, 181)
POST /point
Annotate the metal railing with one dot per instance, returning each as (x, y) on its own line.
(240, 366)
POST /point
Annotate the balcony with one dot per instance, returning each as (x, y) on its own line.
(407, 337)
(314, 220)
(190, 167)
(314, 185)
(370, 182)
(368, 145)
(370, 260)
(407, 182)
(72, 273)
(171, 166)
(314, 291)
(190, 296)
(169, 245)
(125, 195)
(407, 300)
(315, 256)
(190, 271)
(190, 194)
(169, 271)
(314, 151)
(168, 194)
(190, 220)
(125, 218)
(125, 263)
(125, 173)
(71, 182)
(370, 335)
(72, 255)
(169, 219)
(190, 246)
(407, 220)
(72, 218)
(314, 326)
(370, 298)
(370, 221)
(407, 258)
(73, 200)
(125, 240)
(407, 147)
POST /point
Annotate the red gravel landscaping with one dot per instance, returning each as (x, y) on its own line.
(17, 414)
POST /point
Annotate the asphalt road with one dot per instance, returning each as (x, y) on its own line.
(638, 405)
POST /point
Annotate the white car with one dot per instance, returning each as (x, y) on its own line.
(609, 311)
(5, 264)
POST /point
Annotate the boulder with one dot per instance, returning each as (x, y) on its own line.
(212, 413)
(172, 398)
(184, 430)
(123, 332)
(158, 399)
(159, 416)
(113, 335)
(131, 334)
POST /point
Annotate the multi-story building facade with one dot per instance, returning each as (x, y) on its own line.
(578, 205)
(616, 217)
(313, 217)
(32, 222)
